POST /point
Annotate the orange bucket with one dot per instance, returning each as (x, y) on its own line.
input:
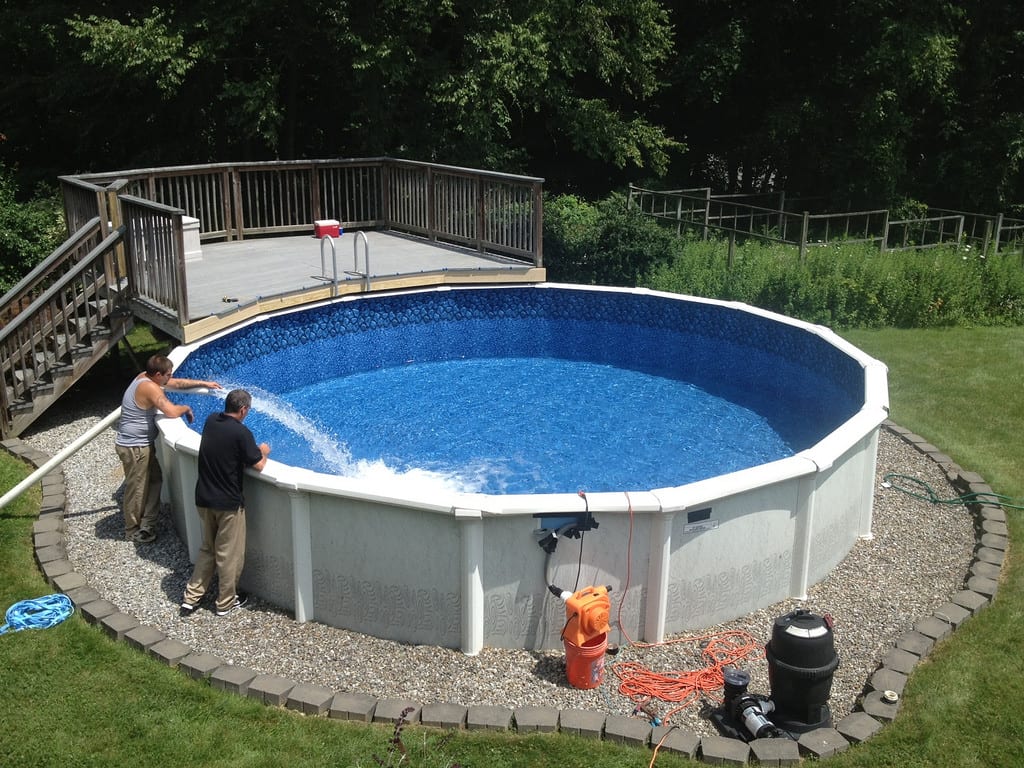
(584, 664)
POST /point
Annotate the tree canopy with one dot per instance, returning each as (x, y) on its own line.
(860, 103)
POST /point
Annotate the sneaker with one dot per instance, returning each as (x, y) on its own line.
(145, 537)
(187, 609)
(240, 600)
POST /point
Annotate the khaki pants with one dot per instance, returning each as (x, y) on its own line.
(223, 550)
(142, 481)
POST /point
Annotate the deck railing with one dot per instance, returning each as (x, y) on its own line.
(487, 211)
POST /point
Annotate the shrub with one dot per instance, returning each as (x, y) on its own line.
(29, 231)
(603, 243)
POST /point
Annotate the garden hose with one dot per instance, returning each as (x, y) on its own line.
(925, 491)
(38, 613)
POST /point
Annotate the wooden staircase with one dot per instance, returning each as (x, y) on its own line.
(61, 319)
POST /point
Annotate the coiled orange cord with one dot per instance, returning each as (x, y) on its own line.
(639, 684)
(722, 649)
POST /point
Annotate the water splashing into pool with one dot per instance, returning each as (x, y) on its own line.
(512, 425)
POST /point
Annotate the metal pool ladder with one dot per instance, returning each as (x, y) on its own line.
(355, 259)
(323, 267)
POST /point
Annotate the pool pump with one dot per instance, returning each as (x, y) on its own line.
(801, 661)
(744, 708)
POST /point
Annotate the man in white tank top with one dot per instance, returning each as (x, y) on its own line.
(136, 433)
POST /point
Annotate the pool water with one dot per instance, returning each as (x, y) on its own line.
(510, 425)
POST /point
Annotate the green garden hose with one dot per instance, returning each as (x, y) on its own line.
(925, 491)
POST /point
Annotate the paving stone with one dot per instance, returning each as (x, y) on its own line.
(55, 501)
(352, 706)
(775, 751)
(971, 600)
(54, 568)
(200, 665)
(391, 710)
(985, 570)
(46, 554)
(542, 719)
(53, 481)
(915, 643)
(270, 689)
(627, 730)
(989, 555)
(995, 542)
(968, 478)
(69, 581)
(489, 718)
(582, 722)
(924, 446)
(822, 742)
(444, 715)
(933, 627)
(858, 726)
(677, 740)
(887, 680)
(143, 637)
(983, 585)
(992, 512)
(901, 661)
(719, 750)
(232, 678)
(116, 624)
(97, 610)
(47, 524)
(81, 595)
(53, 538)
(953, 613)
(170, 651)
(879, 707)
(989, 526)
(309, 699)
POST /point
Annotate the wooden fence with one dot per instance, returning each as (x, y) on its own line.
(699, 212)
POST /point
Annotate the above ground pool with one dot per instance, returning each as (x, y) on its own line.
(718, 457)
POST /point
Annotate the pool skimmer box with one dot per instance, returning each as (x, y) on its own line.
(555, 525)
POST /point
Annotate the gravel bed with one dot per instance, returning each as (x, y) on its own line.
(918, 557)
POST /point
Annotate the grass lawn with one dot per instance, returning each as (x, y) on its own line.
(71, 697)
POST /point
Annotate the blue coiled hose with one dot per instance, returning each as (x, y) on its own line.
(38, 613)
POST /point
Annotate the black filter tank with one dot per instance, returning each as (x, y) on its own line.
(801, 660)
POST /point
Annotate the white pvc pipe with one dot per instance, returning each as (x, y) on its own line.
(60, 458)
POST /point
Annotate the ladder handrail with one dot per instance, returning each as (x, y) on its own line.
(334, 262)
(366, 256)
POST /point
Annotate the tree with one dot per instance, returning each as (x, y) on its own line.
(513, 86)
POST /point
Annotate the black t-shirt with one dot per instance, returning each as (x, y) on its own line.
(227, 447)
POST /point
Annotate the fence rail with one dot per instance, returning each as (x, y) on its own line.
(698, 211)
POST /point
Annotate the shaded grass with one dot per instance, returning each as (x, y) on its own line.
(73, 697)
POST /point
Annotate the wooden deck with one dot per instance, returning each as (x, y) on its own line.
(233, 281)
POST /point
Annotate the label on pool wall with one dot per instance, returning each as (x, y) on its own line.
(703, 525)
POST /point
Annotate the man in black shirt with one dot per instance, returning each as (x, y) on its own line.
(226, 449)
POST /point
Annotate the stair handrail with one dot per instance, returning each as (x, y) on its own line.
(63, 455)
(44, 298)
(50, 263)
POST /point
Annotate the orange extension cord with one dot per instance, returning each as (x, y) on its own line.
(640, 684)
(722, 649)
